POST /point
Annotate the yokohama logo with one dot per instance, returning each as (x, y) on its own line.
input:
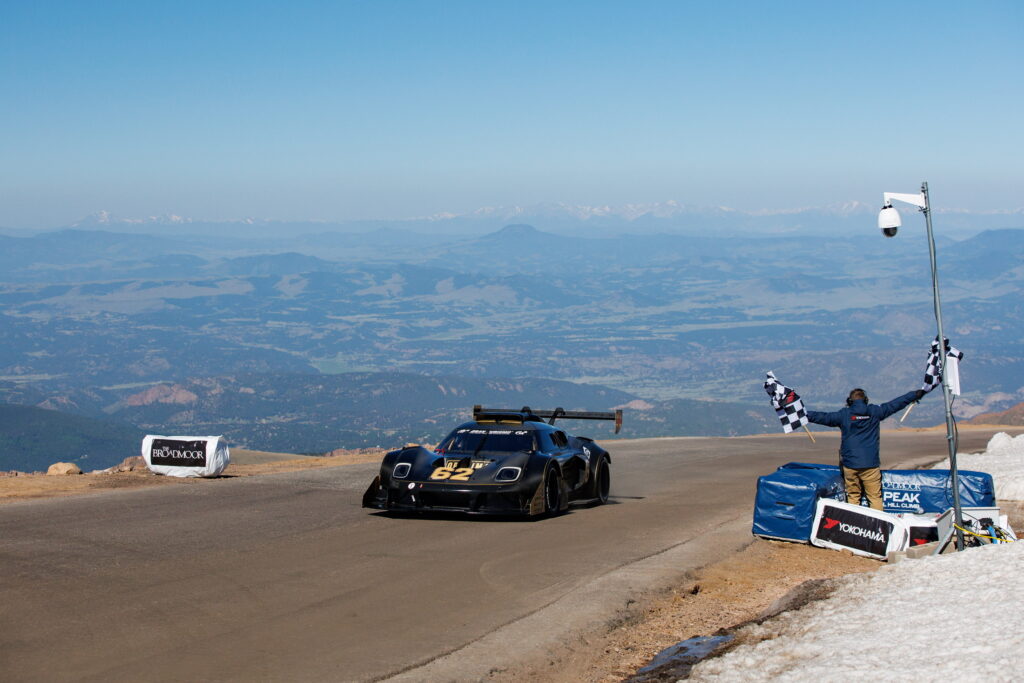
(854, 530)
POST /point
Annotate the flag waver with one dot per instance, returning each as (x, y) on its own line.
(787, 404)
(933, 368)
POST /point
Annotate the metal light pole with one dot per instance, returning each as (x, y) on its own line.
(888, 221)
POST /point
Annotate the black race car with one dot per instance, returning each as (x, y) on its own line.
(504, 462)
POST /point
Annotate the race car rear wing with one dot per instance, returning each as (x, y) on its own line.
(527, 415)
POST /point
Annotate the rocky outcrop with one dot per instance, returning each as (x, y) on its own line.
(60, 403)
(162, 393)
(59, 468)
(132, 464)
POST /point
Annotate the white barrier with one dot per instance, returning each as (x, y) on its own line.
(186, 456)
(861, 530)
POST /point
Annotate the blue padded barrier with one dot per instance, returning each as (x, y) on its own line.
(785, 502)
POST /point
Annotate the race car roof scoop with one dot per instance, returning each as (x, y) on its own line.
(528, 415)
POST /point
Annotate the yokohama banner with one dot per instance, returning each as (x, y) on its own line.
(186, 456)
(861, 530)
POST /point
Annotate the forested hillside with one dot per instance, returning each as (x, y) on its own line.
(32, 439)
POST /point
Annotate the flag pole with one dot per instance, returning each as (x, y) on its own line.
(811, 436)
(907, 411)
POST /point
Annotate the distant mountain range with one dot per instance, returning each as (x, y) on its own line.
(670, 216)
(91, 317)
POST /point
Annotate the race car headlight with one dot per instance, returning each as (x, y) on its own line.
(401, 470)
(508, 474)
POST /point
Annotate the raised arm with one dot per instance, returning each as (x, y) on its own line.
(899, 403)
(828, 419)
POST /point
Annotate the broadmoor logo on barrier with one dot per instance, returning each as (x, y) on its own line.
(178, 453)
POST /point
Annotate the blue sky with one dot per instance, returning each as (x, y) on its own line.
(344, 110)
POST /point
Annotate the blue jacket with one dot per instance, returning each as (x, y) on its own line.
(859, 425)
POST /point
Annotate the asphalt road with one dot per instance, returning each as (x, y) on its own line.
(285, 577)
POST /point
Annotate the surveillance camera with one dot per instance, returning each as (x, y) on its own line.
(889, 220)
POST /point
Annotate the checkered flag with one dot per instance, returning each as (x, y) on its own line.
(787, 404)
(933, 368)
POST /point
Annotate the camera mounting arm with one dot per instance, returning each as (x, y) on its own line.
(918, 200)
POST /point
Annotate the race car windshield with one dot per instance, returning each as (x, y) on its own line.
(474, 441)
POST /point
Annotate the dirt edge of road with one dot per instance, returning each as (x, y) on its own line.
(244, 463)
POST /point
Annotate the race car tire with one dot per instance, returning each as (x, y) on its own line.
(552, 492)
(602, 483)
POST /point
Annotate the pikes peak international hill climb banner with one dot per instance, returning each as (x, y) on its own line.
(186, 456)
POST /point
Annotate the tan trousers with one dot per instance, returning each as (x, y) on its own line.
(867, 481)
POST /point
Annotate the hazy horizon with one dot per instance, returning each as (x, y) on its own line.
(670, 215)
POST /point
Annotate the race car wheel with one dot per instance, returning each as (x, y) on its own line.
(602, 481)
(552, 492)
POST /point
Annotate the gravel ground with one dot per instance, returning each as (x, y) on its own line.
(20, 485)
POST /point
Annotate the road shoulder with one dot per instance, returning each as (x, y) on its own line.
(19, 486)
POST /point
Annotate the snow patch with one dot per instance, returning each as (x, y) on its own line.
(894, 625)
(1003, 458)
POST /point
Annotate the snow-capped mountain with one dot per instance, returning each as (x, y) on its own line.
(632, 212)
(669, 216)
